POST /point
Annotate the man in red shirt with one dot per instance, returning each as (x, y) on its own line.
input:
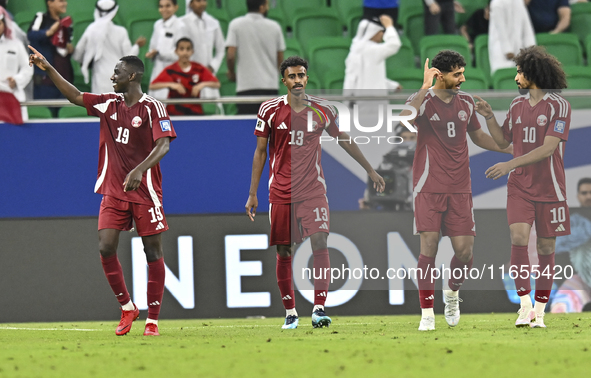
(135, 133)
(185, 79)
(297, 191)
(537, 124)
(441, 178)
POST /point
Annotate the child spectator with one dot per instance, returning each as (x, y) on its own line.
(185, 79)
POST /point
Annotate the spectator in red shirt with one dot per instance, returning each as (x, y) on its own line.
(185, 79)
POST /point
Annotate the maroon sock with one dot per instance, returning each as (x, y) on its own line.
(546, 278)
(456, 280)
(114, 274)
(322, 271)
(426, 282)
(520, 258)
(284, 281)
(156, 275)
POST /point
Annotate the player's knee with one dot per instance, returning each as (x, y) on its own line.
(107, 249)
(284, 251)
(465, 254)
(319, 241)
(545, 247)
(518, 238)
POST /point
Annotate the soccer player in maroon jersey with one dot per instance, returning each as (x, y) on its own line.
(135, 133)
(441, 178)
(537, 124)
(297, 192)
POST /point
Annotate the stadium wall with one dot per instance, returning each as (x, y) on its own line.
(221, 266)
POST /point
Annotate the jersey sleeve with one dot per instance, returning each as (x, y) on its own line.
(96, 104)
(263, 125)
(560, 123)
(206, 75)
(333, 125)
(473, 122)
(161, 123)
(508, 127)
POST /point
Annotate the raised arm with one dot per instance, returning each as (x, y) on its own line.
(258, 163)
(354, 151)
(484, 108)
(428, 76)
(134, 178)
(71, 92)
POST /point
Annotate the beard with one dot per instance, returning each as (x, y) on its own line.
(523, 91)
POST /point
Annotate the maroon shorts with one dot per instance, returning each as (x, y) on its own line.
(119, 215)
(293, 222)
(450, 213)
(552, 218)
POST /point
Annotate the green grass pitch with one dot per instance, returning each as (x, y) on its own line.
(488, 345)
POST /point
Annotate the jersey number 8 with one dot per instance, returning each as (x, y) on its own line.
(451, 129)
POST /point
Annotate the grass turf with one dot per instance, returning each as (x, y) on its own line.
(365, 346)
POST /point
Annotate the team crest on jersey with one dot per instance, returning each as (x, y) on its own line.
(136, 121)
(196, 78)
(165, 125)
(559, 126)
(542, 120)
(462, 115)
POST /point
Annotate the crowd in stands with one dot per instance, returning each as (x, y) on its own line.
(239, 44)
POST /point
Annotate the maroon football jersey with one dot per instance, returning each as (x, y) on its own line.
(127, 136)
(527, 126)
(295, 172)
(441, 163)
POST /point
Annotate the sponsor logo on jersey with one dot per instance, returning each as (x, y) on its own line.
(195, 78)
(114, 116)
(559, 126)
(518, 120)
(462, 115)
(323, 226)
(260, 125)
(165, 125)
(136, 121)
(542, 120)
(283, 126)
(435, 117)
(560, 228)
(160, 226)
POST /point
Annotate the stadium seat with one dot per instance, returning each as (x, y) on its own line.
(182, 7)
(432, 44)
(404, 58)
(578, 77)
(475, 80)
(588, 48)
(413, 24)
(234, 8)
(580, 22)
(214, 11)
(291, 8)
(352, 21)
(79, 79)
(224, 21)
(504, 79)
(81, 9)
(17, 6)
(143, 27)
(333, 81)
(310, 24)
(406, 7)
(470, 6)
(38, 112)
(228, 88)
(411, 79)
(72, 112)
(276, 14)
(24, 19)
(328, 54)
(345, 7)
(564, 46)
(481, 55)
(79, 28)
(292, 47)
(130, 11)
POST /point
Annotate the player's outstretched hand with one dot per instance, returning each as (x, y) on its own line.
(429, 74)
(132, 181)
(378, 182)
(498, 170)
(483, 107)
(251, 206)
(37, 59)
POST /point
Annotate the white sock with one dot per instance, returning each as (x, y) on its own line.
(525, 300)
(291, 311)
(148, 320)
(540, 307)
(128, 306)
(318, 307)
(451, 292)
(427, 313)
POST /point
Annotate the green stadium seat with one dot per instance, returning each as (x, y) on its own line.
(333, 81)
(481, 55)
(24, 19)
(406, 7)
(143, 27)
(504, 79)
(292, 47)
(432, 44)
(224, 21)
(578, 77)
(291, 8)
(81, 9)
(79, 79)
(310, 24)
(470, 6)
(564, 46)
(214, 11)
(588, 48)
(328, 54)
(276, 14)
(475, 80)
(17, 6)
(72, 112)
(411, 79)
(353, 20)
(404, 58)
(227, 89)
(345, 7)
(413, 24)
(79, 27)
(38, 112)
(234, 8)
(580, 22)
(183, 6)
(130, 11)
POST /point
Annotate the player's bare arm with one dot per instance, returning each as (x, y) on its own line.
(231, 62)
(429, 75)
(205, 84)
(484, 109)
(258, 163)
(483, 140)
(171, 85)
(354, 151)
(71, 92)
(133, 179)
(540, 153)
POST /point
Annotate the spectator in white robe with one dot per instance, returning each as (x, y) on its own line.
(510, 29)
(167, 31)
(206, 33)
(365, 66)
(102, 45)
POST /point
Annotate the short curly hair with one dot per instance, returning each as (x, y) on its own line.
(541, 68)
(447, 60)
(293, 61)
